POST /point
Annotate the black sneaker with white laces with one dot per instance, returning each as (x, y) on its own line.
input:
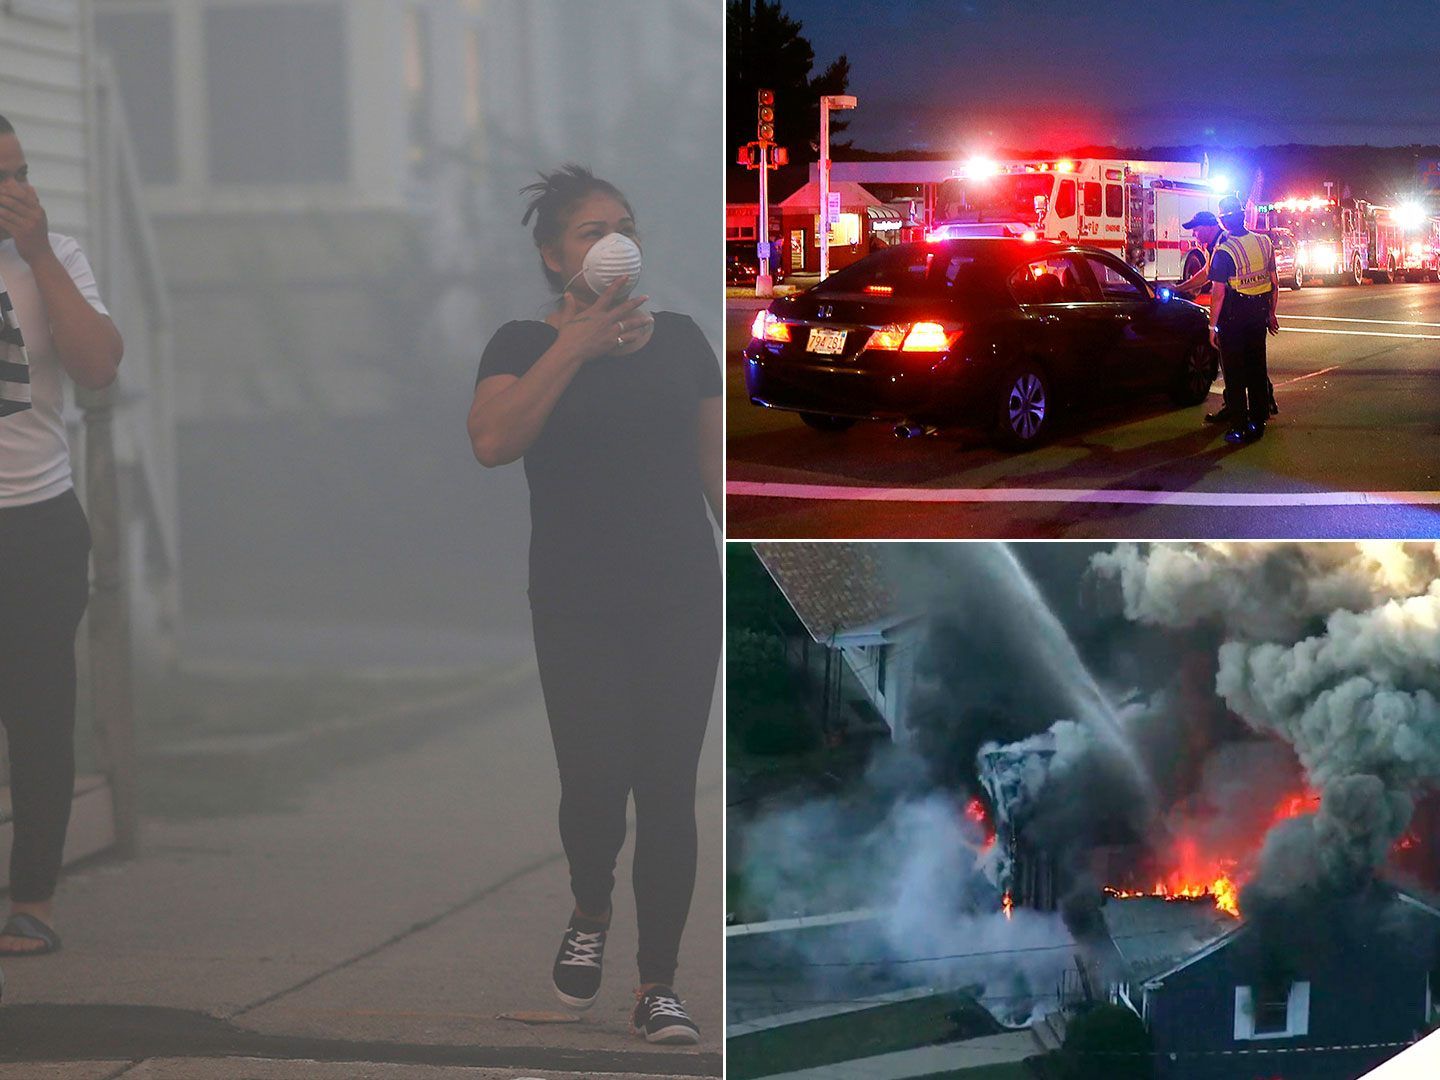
(660, 1016)
(578, 963)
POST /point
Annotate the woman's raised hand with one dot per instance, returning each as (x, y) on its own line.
(608, 324)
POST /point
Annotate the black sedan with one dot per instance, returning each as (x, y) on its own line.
(1000, 332)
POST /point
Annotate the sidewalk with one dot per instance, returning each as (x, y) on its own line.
(388, 913)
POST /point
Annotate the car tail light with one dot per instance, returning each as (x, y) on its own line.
(928, 337)
(767, 327)
(887, 337)
(914, 337)
(880, 290)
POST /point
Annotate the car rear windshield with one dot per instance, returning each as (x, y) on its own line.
(909, 270)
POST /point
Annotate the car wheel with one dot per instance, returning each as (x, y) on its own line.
(822, 422)
(1024, 407)
(1357, 272)
(1298, 281)
(1197, 373)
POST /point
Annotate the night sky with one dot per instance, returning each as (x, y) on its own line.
(974, 75)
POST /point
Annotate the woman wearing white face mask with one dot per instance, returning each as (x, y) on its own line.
(617, 414)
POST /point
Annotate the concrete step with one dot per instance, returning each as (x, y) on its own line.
(1049, 1031)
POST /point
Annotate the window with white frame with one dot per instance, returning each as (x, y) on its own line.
(278, 93)
(58, 12)
(1272, 1011)
(141, 46)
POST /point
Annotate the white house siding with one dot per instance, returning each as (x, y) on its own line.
(43, 93)
(864, 662)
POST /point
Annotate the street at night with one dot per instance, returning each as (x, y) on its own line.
(1354, 451)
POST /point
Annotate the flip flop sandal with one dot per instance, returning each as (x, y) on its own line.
(27, 926)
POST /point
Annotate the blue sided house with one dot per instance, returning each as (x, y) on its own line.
(1319, 990)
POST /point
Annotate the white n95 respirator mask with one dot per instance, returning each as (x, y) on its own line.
(610, 258)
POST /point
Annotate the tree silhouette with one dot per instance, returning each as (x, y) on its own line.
(765, 48)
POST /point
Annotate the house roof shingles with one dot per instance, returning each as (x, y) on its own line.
(834, 588)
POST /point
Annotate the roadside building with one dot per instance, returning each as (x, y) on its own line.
(59, 93)
(307, 166)
(326, 176)
(1329, 995)
(863, 220)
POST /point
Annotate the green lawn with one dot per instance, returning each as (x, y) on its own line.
(1015, 1070)
(883, 1029)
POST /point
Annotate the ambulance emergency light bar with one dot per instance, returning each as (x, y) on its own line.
(1298, 205)
(978, 168)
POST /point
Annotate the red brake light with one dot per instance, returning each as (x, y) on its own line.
(928, 337)
(880, 290)
(916, 337)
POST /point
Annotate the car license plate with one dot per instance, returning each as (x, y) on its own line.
(830, 342)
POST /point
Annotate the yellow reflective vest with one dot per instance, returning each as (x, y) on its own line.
(1252, 255)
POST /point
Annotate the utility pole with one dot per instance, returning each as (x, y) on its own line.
(827, 102)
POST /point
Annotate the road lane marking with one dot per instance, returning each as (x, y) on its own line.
(1348, 318)
(1121, 496)
(1311, 375)
(1357, 333)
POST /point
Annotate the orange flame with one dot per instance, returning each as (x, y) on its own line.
(1007, 905)
(1197, 875)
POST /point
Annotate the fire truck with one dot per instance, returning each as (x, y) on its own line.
(1345, 241)
(1405, 238)
(1134, 208)
(1332, 239)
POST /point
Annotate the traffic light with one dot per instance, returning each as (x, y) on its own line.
(765, 116)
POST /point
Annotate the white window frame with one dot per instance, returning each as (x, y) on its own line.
(56, 12)
(1297, 1014)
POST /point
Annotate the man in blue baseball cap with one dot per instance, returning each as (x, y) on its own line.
(1207, 230)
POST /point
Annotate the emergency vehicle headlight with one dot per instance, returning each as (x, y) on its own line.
(1409, 215)
(1163, 293)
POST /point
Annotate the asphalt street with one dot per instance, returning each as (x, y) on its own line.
(1354, 452)
(392, 917)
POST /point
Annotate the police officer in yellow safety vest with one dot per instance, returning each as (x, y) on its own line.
(1244, 288)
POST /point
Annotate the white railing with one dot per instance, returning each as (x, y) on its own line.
(127, 266)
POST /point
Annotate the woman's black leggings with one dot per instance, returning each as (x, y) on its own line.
(44, 587)
(629, 698)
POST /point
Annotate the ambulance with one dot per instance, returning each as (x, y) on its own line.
(1133, 208)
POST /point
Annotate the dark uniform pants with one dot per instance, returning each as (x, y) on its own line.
(1244, 324)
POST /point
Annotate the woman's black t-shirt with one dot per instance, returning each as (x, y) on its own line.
(617, 505)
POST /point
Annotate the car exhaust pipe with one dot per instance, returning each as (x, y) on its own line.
(909, 430)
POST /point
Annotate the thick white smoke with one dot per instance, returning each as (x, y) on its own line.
(1263, 592)
(936, 919)
(1358, 698)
